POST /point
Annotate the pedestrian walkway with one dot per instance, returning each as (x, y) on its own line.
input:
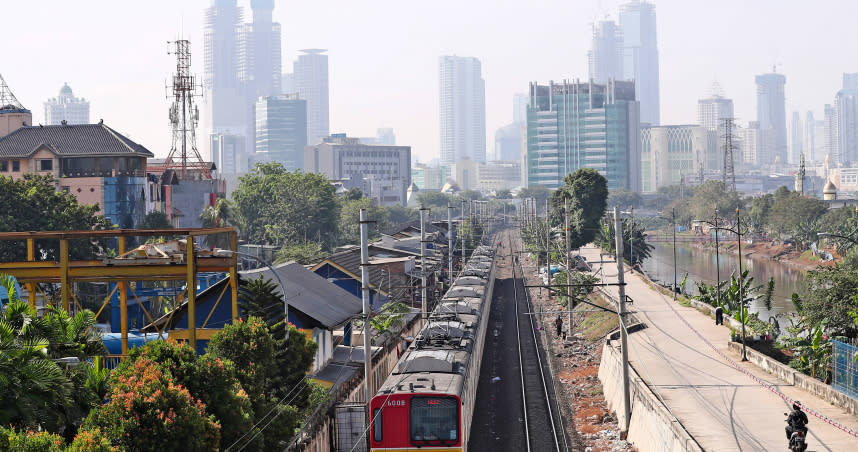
(722, 408)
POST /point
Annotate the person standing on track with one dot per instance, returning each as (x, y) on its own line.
(559, 324)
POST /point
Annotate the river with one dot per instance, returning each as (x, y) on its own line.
(700, 266)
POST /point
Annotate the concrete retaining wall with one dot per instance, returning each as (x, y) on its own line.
(652, 427)
(796, 378)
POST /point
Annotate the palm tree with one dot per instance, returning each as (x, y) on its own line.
(222, 214)
(32, 385)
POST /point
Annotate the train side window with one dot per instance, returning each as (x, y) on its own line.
(376, 426)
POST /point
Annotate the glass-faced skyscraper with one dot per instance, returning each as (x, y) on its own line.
(606, 52)
(281, 130)
(640, 56)
(771, 119)
(310, 81)
(583, 125)
(463, 110)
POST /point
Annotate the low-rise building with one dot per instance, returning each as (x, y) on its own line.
(383, 173)
(93, 162)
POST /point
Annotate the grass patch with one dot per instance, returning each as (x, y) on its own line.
(596, 325)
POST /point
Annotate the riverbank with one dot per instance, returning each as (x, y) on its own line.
(786, 254)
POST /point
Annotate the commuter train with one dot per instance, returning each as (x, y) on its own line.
(427, 403)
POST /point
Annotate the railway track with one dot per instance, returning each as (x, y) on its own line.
(543, 421)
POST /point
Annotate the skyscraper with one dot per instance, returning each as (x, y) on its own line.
(583, 125)
(463, 110)
(281, 130)
(712, 110)
(846, 114)
(606, 52)
(259, 65)
(224, 108)
(809, 138)
(508, 138)
(259, 68)
(640, 56)
(66, 107)
(771, 117)
(796, 142)
(310, 80)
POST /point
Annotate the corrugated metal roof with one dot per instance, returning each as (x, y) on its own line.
(312, 294)
(70, 140)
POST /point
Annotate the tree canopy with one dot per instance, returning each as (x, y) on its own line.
(286, 208)
(33, 203)
(587, 192)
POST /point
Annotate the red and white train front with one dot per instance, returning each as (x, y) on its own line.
(415, 421)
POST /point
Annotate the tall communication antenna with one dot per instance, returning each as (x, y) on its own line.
(729, 146)
(184, 116)
(8, 101)
(800, 175)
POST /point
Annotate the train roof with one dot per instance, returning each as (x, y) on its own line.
(424, 383)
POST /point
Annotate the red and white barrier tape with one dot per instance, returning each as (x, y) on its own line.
(748, 373)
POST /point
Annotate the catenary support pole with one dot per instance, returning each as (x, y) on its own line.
(569, 305)
(624, 337)
(462, 238)
(364, 280)
(450, 242)
(424, 302)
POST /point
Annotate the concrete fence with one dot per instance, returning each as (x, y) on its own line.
(789, 375)
(652, 427)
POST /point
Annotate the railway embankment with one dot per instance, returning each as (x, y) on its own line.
(652, 425)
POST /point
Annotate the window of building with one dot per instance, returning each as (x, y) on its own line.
(46, 165)
(4, 165)
(16, 165)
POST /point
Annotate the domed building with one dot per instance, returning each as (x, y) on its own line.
(829, 192)
(66, 107)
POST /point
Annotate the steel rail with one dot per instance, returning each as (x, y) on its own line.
(548, 401)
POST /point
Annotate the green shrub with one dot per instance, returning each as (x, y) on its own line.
(149, 411)
(30, 441)
(92, 441)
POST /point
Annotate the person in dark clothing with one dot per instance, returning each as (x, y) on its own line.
(559, 324)
(719, 315)
(796, 421)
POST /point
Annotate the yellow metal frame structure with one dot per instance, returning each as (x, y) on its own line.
(66, 272)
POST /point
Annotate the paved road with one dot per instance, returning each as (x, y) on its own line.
(723, 409)
(499, 419)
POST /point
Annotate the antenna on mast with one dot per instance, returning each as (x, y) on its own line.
(184, 116)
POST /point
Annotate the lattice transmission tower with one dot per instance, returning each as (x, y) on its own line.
(184, 116)
(729, 147)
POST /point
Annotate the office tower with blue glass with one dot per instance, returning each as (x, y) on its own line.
(583, 125)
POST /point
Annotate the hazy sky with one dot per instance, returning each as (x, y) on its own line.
(384, 55)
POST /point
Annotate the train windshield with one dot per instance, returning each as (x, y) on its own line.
(434, 419)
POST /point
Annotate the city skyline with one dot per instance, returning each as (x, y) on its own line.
(128, 91)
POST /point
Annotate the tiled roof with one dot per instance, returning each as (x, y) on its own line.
(70, 140)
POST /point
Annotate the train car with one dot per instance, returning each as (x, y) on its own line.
(427, 403)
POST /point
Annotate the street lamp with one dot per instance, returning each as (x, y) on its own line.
(717, 256)
(673, 224)
(738, 232)
(227, 253)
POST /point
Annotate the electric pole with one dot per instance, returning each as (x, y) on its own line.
(624, 338)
